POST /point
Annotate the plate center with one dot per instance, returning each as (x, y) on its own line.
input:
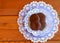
(37, 21)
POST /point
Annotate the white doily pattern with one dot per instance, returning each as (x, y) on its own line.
(52, 21)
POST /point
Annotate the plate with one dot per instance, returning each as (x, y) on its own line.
(51, 20)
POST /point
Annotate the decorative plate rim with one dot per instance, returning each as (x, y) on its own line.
(26, 9)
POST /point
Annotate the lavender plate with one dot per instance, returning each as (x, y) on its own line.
(51, 20)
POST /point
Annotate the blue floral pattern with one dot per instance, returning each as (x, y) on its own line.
(52, 21)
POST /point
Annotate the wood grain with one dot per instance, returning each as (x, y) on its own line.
(12, 7)
(9, 10)
(32, 42)
(9, 30)
(8, 22)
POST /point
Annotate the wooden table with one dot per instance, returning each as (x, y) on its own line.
(8, 20)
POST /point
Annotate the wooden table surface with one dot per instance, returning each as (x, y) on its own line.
(9, 10)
